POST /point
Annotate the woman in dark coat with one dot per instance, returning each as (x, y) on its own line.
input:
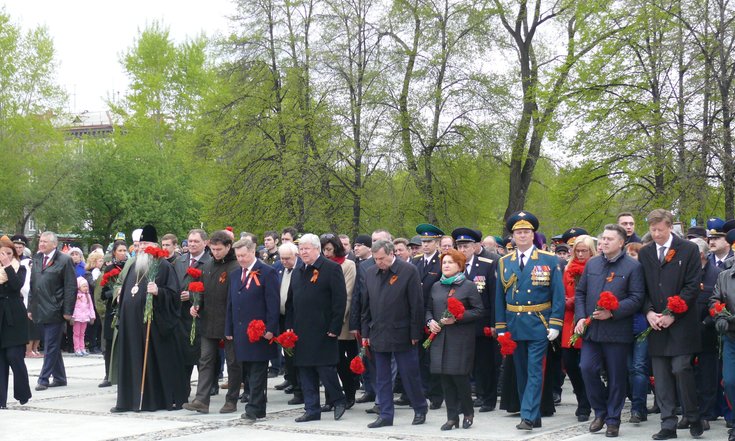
(452, 352)
(107, 295)
(13, 325)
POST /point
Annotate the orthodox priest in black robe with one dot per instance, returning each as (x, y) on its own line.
(165, 382)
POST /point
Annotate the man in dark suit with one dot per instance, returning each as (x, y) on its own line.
(253, 295)
(429, 267)
(197, 256)
(363, 260)
(671, 266)
(288, 263)
(52, 298)
(481, 271)
(392, 321)
(315, 310)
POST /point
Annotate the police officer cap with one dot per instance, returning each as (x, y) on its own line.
(697, 231)
(463, 234)
(561, 247)
(728, 226)
(19, 238)
(730, 237)
(429, 232)
(571, 234)
(714, 227)
(365, 240)
(520, 220)
(416, 241)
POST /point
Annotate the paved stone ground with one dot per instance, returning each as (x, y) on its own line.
(81, 410)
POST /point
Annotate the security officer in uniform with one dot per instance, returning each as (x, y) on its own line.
(529, 303)
(430, 271)
(720, 250)
(481, 271)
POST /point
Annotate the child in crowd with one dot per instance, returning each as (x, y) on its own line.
(83, 314)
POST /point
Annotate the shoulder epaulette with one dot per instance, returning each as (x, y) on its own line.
(419, 257)
(484, 259)
(546, 252)
(506, 256)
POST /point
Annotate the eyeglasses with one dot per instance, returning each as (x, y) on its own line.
(327, 236)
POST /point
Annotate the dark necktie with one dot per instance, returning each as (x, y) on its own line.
(193, 262)
(467, 269)
(521, 264)
(45, 261)
(661, 254)
(720, 264)
(244, 273)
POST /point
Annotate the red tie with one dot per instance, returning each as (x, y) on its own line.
(244, 273)
(45, 261)
(193, 262)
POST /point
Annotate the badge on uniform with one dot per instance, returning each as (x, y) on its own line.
(541, 275)
(480, 282)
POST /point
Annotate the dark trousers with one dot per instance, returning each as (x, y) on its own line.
(707, 376)
(257, 374)
(458, 396)
(53, 362)
(107, 354)
(639, 377)
(208, 370)
(310, 377)
(570, 358)
(408, 367)
(486, 370)
(675, 374)
(607, 402)
(13, 358)
(347, 351)
(529, 360)
(728, 369)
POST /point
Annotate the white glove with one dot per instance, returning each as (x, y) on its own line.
(501, 333)
(552, 334)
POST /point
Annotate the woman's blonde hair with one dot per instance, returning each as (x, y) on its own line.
(92, 260)
(586, 240)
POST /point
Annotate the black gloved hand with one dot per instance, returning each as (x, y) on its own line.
(722, 325)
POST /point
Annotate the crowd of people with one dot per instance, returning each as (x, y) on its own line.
(451, 320)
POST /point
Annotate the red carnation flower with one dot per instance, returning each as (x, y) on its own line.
(256, 330)
(677, 305)
(196, 287)
(109, 275)
(507, 345)
(194, 273)
(608, 301)
(357, 366)
(488, 331)
(719, 308)
(455, 307)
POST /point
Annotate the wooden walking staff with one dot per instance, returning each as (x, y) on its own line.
(145, 362)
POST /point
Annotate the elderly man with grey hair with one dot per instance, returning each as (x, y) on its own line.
(315, 309)
(52, 297)
(392, 323)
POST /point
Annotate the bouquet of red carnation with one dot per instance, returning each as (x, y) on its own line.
(287, 340)
(194, 273)
(256, 330)
(719, 308)
(455, 309)
(156, 255)
(488, 331)
(195, 290)
(110, 275)
(356, 365)
(507, 344)
(607, 301)
(675, 305)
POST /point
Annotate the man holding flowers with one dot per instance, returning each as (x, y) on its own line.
(609, 292)
(672, 269)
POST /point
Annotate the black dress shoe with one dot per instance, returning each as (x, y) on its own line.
(654, 409)
(350, 403)
(339, 410)
(583, 418)
(467, 421)
(289, 389)
(366, 398)
(637, 417)
(308, 417)
(479, 402)
(374, 409)
(597, 424)
(537, 423)
(418, 418)
(40, 386)
(485, 408)
(272, 374)
(683, 423)
(57, 384)
(105, 383)
(401, 401)
(327, 408)
(283, 385)
(244, 398)
(450, 424)
(214, 390)
(436, 404)
(665, 434)
(612, 431)
(297, 399)
(695, 429)
(525, 425)
(705, 425)
(248, 417)
(118, 410)
(380, 422)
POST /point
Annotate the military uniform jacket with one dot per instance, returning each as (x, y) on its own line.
(429, 273)
(539, 282)
(679, 274)
(482, 274)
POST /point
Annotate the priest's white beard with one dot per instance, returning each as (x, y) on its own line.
(142, 263)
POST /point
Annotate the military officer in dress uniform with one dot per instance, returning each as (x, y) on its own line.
(481, 271)
(719, 248)
(429, 266)
(529, 303)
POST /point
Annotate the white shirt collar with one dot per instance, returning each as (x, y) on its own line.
(667, 244)
(470, 262)
(51, 254)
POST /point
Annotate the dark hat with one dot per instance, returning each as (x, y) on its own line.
(561, 247)
(19, 238)
(556, 239)
(429, 232)
(520, 220)
(728, 225)
(730, 237)
(568, 236)
(364, 239)
(479, 234)
(714, 227)
(184, 243)
(697, 231)
(149, 234)
(508, 243)
(463, 234)
(415, 241)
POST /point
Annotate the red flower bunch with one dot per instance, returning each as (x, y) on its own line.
(719, 308)
(196, 287)
(455, 309)
(487, 331)
(109, 275)
(193, 272)
(507, 344)
(607, 301)
(357, 366)
(156, 252)
(675, 305)
(287, 340)
(256, 330)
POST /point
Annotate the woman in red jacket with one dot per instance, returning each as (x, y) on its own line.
(583, 249)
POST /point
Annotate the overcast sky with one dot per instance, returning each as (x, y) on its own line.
(90, 35)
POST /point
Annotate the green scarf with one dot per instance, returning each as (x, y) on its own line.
(454, 280)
